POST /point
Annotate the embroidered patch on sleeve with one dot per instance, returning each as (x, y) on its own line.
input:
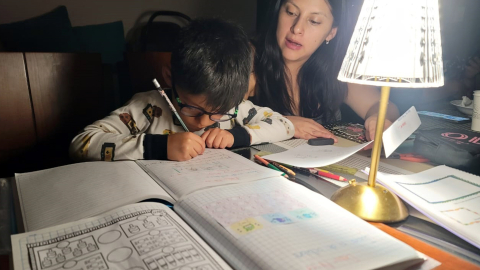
(251, 113)
(168, 132)
(148, 112)
(252, 126)
(157, 111)
(266, 117)
(287, 126)
(108, 152)
(130, 123)
(152, 112)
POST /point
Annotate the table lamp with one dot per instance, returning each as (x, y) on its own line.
(396, 43)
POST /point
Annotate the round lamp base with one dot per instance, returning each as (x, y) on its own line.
(376, 204)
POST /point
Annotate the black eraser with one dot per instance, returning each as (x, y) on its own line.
(321, 141)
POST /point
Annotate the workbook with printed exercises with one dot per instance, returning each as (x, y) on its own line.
(449, 197)
(228, 212)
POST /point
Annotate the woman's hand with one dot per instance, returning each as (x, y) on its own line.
(472, 68)
(306, 128)
(371, 126)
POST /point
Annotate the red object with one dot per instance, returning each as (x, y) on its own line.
(329, 175)
(409, 157)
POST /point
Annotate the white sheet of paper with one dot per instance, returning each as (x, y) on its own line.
(307, 156)
(400, 130)
(449, 197)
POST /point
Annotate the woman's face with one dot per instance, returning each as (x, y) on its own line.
(303, 25)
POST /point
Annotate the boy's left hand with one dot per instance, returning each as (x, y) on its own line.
(217, 138)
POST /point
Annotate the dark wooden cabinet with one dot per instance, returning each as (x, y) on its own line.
(17, 128)
(45, 99)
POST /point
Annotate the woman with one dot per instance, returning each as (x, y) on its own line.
(298, 58)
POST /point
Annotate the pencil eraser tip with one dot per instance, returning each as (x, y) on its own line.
(157, 85)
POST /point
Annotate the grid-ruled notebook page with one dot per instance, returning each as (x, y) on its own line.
(137, 236)
(68, 193)
(215, 167)
(277, 224)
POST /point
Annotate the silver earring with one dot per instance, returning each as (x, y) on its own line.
(328, 41)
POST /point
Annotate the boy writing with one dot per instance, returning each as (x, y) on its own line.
(211, 64)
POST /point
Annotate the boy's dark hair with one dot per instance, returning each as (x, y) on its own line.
(213, 57)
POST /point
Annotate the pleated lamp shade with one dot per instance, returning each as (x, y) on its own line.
(395, 43)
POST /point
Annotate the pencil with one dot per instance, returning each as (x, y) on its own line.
(283, 168)
(266, 163)
(160, 90)
(328, 175)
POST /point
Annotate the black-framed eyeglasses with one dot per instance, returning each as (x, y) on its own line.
(193, 111)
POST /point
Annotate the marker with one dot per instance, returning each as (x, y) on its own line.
(328, 175)
(160, 90)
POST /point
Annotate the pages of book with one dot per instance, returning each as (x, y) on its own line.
(68, 193)
(214, 168)
(137, 236)
(448, 196)
(277, 224)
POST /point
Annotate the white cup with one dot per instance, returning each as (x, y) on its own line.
(476, 111)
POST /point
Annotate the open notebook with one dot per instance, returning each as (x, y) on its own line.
(68, 193)
(249, 215)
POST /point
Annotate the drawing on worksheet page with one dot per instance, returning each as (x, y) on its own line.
(446, 189)
(463, 215)
(146, 239)
(241, 215)
(213, 166)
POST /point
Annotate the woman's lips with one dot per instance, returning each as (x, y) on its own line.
(292, 45)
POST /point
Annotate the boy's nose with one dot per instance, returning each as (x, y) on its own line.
(205, 121)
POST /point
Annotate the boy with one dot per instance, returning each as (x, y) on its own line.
(211, 65)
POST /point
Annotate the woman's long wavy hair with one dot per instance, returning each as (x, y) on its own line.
(321, 94)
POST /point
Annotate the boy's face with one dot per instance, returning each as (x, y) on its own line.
(199, 101)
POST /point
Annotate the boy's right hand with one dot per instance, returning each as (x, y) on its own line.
(184, 146)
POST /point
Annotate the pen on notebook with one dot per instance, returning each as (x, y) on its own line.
(160, 90)
(328, 175)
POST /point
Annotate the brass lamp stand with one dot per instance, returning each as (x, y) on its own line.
(371, 201)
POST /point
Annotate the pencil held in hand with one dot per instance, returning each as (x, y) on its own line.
(160, 90)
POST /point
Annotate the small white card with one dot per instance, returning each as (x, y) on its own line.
(400, 130)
